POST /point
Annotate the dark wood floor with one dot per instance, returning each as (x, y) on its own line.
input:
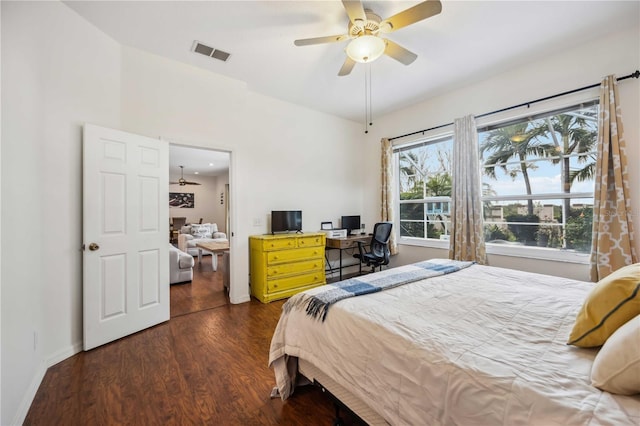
(206, 367)
(206, 291)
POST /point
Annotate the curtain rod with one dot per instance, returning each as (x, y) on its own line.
(635, 74)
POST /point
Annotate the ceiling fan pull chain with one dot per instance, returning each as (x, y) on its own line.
(370, 99)
(368, 109)
(366, 104)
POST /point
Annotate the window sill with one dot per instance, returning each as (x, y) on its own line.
(421, 242)
(538, 253)
(528, 252)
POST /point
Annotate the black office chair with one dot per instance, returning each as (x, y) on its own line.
(378, 253)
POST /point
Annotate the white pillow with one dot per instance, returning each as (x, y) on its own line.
(200, 230)
(616, 368)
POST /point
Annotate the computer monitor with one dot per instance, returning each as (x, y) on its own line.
(350, 223)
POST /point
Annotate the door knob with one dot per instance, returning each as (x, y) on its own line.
(93, 247)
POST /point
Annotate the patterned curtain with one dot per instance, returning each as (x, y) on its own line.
(467, 236)
(386, 208)
(612, 237)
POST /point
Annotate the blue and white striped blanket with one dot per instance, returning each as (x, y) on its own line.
(317, 303)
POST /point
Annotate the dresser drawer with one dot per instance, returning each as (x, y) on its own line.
(313, 241)
(281, 256)
(294, 268)
(295, 281)
(283, 265)
(278, 244)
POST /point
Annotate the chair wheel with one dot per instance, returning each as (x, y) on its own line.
(337, 422)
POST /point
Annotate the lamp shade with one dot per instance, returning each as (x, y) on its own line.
(366, 48)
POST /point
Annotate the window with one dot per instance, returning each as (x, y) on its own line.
(424, 185)
(537, 179)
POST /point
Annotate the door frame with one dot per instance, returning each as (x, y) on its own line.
(234, 298)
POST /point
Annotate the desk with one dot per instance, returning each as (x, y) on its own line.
(344, 243)
(214, 247)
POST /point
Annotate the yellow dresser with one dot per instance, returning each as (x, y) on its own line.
(285, 264)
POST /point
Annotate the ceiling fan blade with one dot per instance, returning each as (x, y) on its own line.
(410, 16)
(174, 183)
(346, 67)
(186, 182)
(399, 53)
(320, 40)
(354, 10)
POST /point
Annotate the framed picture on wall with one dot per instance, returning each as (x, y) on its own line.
(184, 200)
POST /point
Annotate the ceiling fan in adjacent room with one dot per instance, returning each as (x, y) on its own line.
(365, 30)
(182, 181)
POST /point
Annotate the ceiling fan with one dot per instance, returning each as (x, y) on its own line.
(181, 181)
(365, 30)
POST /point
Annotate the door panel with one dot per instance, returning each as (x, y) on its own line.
(149, 288)
(126, 223)
(113, 285)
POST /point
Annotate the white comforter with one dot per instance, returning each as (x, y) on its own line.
(482, 346)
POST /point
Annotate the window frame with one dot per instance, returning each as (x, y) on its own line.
(442, 135)
(530, 252)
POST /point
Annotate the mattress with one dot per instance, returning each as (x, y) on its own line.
(480, 346)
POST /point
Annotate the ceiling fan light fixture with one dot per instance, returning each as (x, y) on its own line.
(366, 48)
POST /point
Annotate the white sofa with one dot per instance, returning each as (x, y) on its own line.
(180, 266)
(190, 234)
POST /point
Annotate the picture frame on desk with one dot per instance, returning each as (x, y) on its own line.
(326, 226)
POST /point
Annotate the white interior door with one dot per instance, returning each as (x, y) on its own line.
(125, 233)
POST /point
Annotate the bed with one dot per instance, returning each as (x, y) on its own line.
(478, 346)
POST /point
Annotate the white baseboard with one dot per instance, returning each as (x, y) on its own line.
(30, 394)
(242, 299)
(63, 354)
(27, 399)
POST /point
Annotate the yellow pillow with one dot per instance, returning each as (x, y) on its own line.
(613, 301)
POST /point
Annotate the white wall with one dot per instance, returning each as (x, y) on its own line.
(0, 220)
(219, 209)
(282, 156)
(206, 199)
(57, 73)
(561, 71)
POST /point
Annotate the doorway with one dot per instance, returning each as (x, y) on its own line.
(201, 177)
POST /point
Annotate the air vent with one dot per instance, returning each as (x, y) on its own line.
(219, 54)
(203, 49)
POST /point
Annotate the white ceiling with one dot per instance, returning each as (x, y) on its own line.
(467, 42)
(203, 162)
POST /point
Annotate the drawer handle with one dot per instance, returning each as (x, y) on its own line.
(275, 257)
(275, 286)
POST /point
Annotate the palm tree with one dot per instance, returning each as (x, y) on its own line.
(487, 191)
(517, 141)
(409, 169)
(439, 185)
(576, 136)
